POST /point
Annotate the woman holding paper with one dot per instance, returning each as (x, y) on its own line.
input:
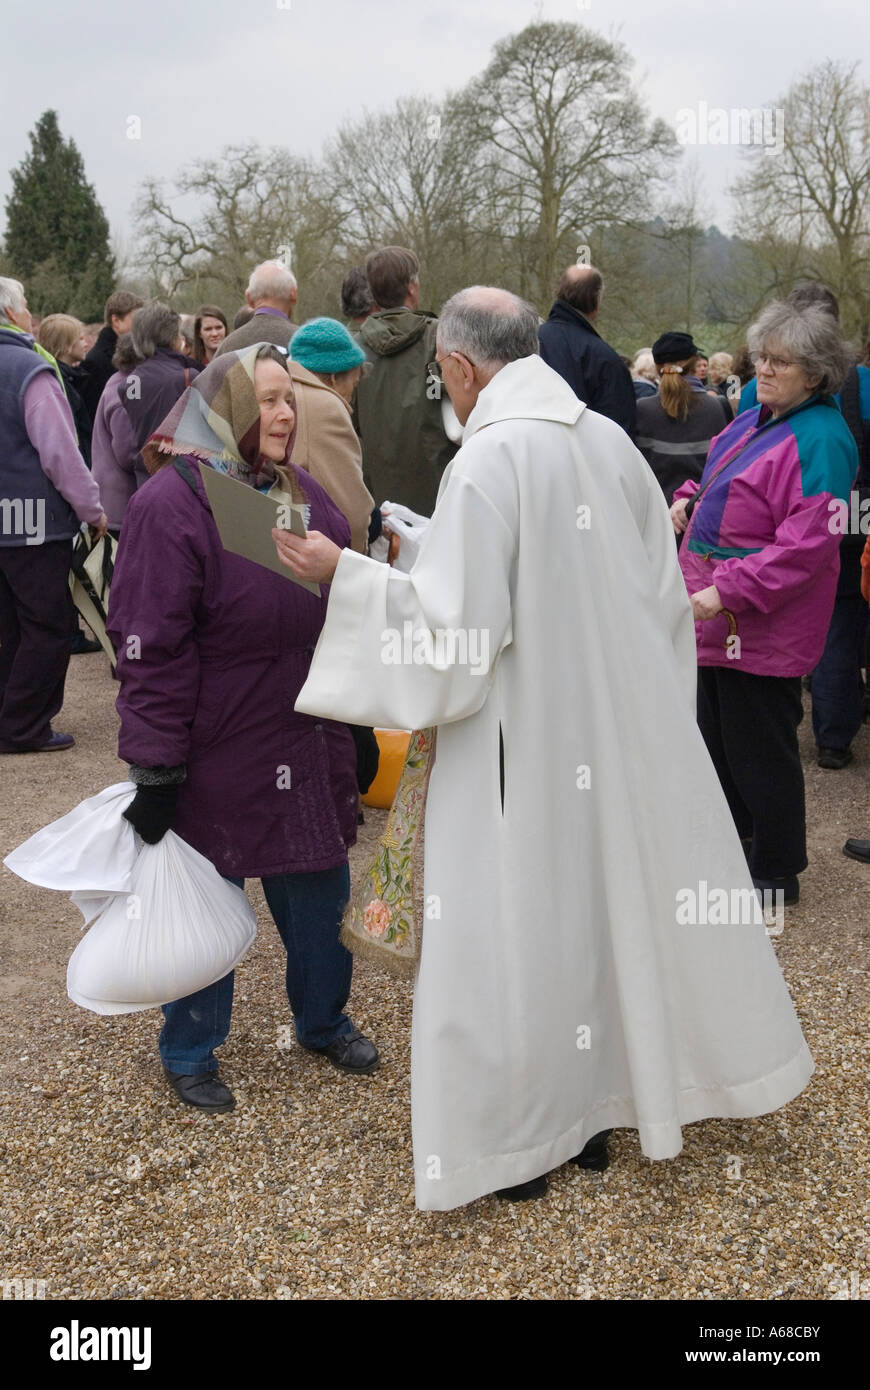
(212, 653)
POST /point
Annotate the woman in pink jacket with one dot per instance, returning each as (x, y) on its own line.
(760, 557)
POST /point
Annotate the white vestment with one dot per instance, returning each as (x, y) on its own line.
(561, 990)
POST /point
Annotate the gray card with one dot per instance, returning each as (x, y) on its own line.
(245, 517)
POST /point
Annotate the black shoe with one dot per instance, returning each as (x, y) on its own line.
(594, 1156)
(351, 1052)
(524, 1191)
(55, 743)
(769, 887)
(834, 758)
(858, 849)
(82, 644)
(203, 1091)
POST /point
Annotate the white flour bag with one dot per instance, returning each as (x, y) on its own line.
(92, 849)
(179, 928)
(165, 924)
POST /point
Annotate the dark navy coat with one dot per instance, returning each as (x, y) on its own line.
(595, 373)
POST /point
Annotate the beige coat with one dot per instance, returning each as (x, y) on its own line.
(327, 447)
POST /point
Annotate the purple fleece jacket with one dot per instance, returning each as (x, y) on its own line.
(114, 452)
(49, 425)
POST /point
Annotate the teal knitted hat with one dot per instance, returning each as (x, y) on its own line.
(324, 345)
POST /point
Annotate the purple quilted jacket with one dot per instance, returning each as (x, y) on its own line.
(213, 651)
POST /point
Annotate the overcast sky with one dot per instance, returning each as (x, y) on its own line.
(201, 74)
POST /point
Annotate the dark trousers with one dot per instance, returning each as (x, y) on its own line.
(36, 617)
(307, 910)
(838, 691)
(749, 724)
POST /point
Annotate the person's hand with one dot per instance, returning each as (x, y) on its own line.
(313, 557)
(152, 811)
(706, 603)
(98, 529)
(392, 537)
(679, 521)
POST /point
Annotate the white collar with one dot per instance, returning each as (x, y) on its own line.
(524, 390)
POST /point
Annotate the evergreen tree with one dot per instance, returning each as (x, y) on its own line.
(57, 235)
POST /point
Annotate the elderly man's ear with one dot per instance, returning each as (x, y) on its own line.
(470, 378)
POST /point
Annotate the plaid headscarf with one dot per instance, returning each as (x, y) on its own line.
(218, 418)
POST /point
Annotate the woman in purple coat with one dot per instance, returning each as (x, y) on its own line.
(212, 653)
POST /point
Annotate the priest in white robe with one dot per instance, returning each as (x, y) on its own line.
(599, 960)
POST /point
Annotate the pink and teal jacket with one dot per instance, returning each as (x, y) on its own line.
(762, 534)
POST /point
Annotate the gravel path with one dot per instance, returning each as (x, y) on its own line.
(109, 1188)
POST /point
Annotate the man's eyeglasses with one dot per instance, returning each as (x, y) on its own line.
(433, 369)
(776, 364)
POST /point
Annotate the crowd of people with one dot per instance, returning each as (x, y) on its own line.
(592, 515)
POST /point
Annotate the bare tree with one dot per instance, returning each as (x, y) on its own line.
(555, 115)
(809, 197)
(221, 216)
(405, 177)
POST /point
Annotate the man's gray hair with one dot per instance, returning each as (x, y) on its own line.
(154, 326)
(488, 336)
(810, 335)
(11, 296)
(271, 280)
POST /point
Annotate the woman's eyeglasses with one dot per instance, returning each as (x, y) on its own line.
(776, 364)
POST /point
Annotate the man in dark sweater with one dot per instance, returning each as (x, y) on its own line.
(97, 365)
(572, 347)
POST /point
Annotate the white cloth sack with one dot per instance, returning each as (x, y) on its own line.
(180, 928)
(92, 849)
(166, 923)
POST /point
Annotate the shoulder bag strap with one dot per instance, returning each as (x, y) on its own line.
(693, 501)
(184, 470)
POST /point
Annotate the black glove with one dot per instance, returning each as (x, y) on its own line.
(367, 755)
(152, 811)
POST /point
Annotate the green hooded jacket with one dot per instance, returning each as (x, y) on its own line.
(398, 410)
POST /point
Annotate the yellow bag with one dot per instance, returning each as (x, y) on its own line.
(393, 745)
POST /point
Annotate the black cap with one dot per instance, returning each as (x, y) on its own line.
(674, 347)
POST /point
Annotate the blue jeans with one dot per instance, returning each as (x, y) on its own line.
(307, 910)
(836, 681)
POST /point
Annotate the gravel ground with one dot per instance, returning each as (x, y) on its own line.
(111, 1189)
